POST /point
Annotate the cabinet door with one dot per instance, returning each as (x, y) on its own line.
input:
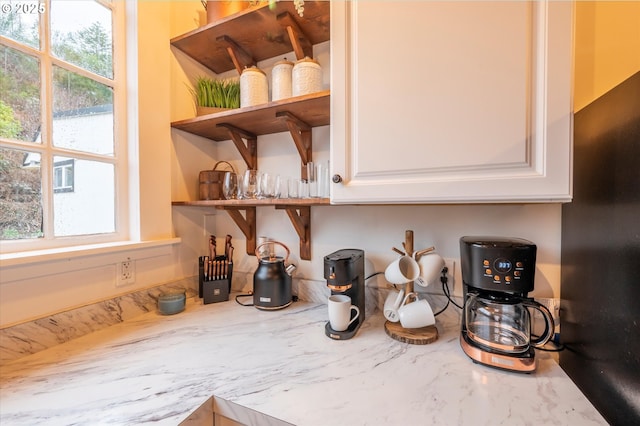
(451, 101)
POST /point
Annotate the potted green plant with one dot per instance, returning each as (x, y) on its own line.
(213, 95)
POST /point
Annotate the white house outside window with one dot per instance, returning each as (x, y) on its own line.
(63, 151)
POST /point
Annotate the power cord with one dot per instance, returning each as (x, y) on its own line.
(373, 275)
(445, 287)
(395, 287)
(294, 298)
(250, 294)
(557, 346)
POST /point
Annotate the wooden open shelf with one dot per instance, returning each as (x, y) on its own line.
(241, 40)
(256, 34)
(298, 210)
(256, 203)
(313, 109)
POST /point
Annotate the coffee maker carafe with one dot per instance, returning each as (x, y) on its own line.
(497, 275)
(344, 272)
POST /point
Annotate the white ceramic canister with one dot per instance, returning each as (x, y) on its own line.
(281, 80)
(307, 77)
(254, 89)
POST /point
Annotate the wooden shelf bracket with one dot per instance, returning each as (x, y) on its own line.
(246, 223)
(249, 152)
(300, 217)
(301, 134)
(240, 58)
(299, 41)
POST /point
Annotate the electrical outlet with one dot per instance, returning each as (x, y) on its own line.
(451, 269)
(126, 272)
(208, 224)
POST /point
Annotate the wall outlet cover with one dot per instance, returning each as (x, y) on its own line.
(126, 272)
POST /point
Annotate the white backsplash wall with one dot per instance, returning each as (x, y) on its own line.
(377, 228)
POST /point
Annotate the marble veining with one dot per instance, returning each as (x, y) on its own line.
(33, 336)
(160, 369)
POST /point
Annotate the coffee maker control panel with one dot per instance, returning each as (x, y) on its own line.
(503, 270)
(498, 264)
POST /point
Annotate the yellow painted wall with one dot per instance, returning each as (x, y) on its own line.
(153, 116)
(607, 47)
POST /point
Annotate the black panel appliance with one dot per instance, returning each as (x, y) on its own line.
(600, 271)
(497, 275)
(344, 272)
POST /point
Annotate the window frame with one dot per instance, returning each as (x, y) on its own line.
(124, 41)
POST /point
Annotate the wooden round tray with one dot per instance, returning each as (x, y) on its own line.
(415, 336)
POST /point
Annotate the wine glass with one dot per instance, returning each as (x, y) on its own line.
(230, 186)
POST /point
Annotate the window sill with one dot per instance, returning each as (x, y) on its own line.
(73, 253)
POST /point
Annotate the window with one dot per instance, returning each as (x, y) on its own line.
(63, 150)
(63, 176)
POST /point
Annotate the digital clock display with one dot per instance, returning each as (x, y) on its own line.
(503, 265)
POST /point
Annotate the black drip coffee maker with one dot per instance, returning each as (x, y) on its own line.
(497, 275)
(344, 272)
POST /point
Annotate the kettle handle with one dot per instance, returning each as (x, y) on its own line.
(272, 242)
(549, 324)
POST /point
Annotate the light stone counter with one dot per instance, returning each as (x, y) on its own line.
(156, 369)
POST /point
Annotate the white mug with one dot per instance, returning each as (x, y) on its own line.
(402, 270)
(340, 308)
(431, 266)
(391, 305)
(416, 314)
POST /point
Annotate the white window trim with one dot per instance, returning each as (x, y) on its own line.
(127, 215)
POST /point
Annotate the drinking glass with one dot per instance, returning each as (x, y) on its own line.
(322, 176)
(292, 185)
(303, 188)
(269, 185)
(251, 184)
(230, 186)
(240, 186)
(312, 179)
(276, 186)
(266, 180)
(262, 185)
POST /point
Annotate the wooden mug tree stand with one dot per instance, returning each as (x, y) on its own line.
(415, 336)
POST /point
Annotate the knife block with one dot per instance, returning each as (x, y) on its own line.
(213, 290)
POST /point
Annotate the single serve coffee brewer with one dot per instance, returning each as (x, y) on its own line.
(344, 272)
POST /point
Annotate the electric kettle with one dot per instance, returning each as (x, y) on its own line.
(502, 323)
(272, 279)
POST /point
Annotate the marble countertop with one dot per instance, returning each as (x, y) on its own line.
(159, 369)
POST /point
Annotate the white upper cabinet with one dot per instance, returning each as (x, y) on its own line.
(446, 102)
